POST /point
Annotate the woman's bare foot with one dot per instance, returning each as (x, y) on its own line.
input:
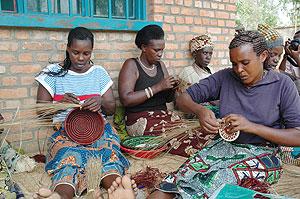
(46, 193)
(122, 188)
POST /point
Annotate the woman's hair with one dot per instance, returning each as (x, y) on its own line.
(253, 38)
(148, 33)
(78, 33)
(250, 37)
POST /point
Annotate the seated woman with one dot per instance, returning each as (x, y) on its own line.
(201, 48)
(145, 87)
(263, 124)
(78, 80)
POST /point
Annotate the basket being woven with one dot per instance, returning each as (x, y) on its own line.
(84, 127)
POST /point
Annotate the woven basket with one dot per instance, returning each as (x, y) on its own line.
(142, 147)
(84, 127)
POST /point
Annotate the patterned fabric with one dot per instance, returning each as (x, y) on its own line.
(200, 42)
(272, 36)
(67, 160)
(290, 155)
(224, 163)
(157, 122)
(193, 74)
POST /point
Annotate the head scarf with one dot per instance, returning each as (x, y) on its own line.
(200, 42)
(272, 36)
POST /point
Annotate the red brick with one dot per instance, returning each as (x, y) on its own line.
(214, 5)
(158, 18)
(28, 101)
(169, 55)
(25, 57)
(13, 93)
(7, 58)
(12, 104)
(2, 69)
(169, 19)
(160, 9)
(57, 36)
(33, 91)
(189, 20)
(171, 46)
(9, 81)
(27, 80)
(214, 22)
(32, 68)
(198, 3)
(221, 6)
(231, 8)
(175, 10)
(188, 2)
(43, 57)
(181, 28)
(179, 2)
(189, 11)
(222, 15)
(8, 46)
(170, 37)
(180, 55)
(5, 34)
(198, 21)
(205, 21)
(180, 20)
(214, 30)
(39, 35)
(204, 13)
(37, 46)
(22, 34)
(221, 22)
(230, 23)
(167, 27)
(206, 4)
(169, 1)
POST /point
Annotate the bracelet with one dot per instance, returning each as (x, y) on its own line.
(151, 92)
(147, 93)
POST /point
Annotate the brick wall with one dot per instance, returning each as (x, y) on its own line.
(24, 51)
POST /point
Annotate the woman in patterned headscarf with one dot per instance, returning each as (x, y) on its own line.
(201, 48)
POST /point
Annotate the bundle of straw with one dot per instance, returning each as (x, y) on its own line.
(180, 131)
(37, 115)
(93, 175)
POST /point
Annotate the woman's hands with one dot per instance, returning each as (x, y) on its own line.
(237, 122)
(207, 120)
(167, 83)
(70, 98)
(93, 104)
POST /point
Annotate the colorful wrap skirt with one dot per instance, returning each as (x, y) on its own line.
(219, 163)
(67, 160)
(156, 123)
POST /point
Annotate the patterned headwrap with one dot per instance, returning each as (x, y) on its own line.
(272, 36)
(200, 42)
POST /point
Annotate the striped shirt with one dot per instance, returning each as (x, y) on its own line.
(94, 82)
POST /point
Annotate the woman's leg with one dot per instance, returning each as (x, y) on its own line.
(108, 181)
(62, 191)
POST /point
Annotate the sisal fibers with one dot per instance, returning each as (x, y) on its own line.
(93, 175)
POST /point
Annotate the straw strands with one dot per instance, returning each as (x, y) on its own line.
(37, 115)
(93, 175)
(178, 131)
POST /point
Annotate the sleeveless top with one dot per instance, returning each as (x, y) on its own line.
(158, 101)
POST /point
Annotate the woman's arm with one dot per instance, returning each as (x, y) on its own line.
(286, 137)
(206, 117)
(108, 102)
(43, 96)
